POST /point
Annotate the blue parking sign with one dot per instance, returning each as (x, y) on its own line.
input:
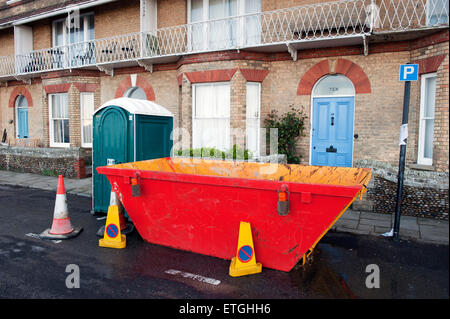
(409, 72)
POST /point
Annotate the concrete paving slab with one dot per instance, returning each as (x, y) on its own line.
(430, 221)
(375, 216)
(375, 222)
(438, 233)
(348, 223)
(381, 230)
(369, 228)
(409, 223)
(351, 214)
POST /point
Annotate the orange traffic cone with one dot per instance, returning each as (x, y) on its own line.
(125, 227)
(61, 226)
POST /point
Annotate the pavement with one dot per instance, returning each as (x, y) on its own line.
(419, 229)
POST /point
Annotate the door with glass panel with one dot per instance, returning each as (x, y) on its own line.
(72, 45)
(252, 23)
(253, 105)
(211, 27)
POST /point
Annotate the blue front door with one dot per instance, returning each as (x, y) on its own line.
(22, 122)
(332, 131)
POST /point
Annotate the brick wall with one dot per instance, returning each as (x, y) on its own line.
(42, 34)
(112, 19)
(171, 13)
(7, 41)
(8, 115)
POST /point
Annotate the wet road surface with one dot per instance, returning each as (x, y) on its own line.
(34, 268)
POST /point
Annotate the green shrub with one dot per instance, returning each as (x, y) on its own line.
(290, 126)
(209, 152)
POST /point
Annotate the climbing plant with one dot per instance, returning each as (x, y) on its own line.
(291, 126)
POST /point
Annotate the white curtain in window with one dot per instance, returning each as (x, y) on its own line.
(59, 118)
(428, 116)
(253, 117)
(222, 33)
(197, 30)
(211, 118)
(252, 22)
(87, 109)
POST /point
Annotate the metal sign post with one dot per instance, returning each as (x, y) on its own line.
(408, 73)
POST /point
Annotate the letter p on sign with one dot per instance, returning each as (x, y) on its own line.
(409, 72)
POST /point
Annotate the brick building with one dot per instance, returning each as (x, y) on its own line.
(224, 65)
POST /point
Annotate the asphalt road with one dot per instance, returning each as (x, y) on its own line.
(35, 268)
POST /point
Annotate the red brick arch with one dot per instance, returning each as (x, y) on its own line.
(140, 82)
(20, 90)
(342, 66)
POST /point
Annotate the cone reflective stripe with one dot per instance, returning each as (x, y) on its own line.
(61, 226)
(61, 221)
(114, 201)
(245, 261)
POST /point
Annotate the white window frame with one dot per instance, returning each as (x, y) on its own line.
(65, 29)
(50, 123)
(258, 118)
(83, 144)
(421, 160)
(194, 94)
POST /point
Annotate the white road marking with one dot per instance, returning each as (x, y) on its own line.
(32, 235)
(200, 278)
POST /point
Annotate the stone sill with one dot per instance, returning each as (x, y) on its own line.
(421, 167)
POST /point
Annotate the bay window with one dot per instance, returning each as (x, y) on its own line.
(59, 120)
(211, 115)
(87, 110)
(253, 106)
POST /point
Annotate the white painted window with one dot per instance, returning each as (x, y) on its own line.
(59, 120)
(211, 115)
(426, 125)
(87, 110)
(253, 117)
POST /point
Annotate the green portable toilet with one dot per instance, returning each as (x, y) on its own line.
(126, 130)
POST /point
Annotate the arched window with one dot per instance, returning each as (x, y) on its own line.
(135, 93)
(334, 85)
(21, 106)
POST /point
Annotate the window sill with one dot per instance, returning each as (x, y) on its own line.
(60, 145)
(421, 167)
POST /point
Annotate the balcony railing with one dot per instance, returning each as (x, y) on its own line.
(331, 20)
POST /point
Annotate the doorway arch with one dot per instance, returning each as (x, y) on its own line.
(21, 110)
(332, 121)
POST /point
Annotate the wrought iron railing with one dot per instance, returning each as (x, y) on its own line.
(328, 20)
